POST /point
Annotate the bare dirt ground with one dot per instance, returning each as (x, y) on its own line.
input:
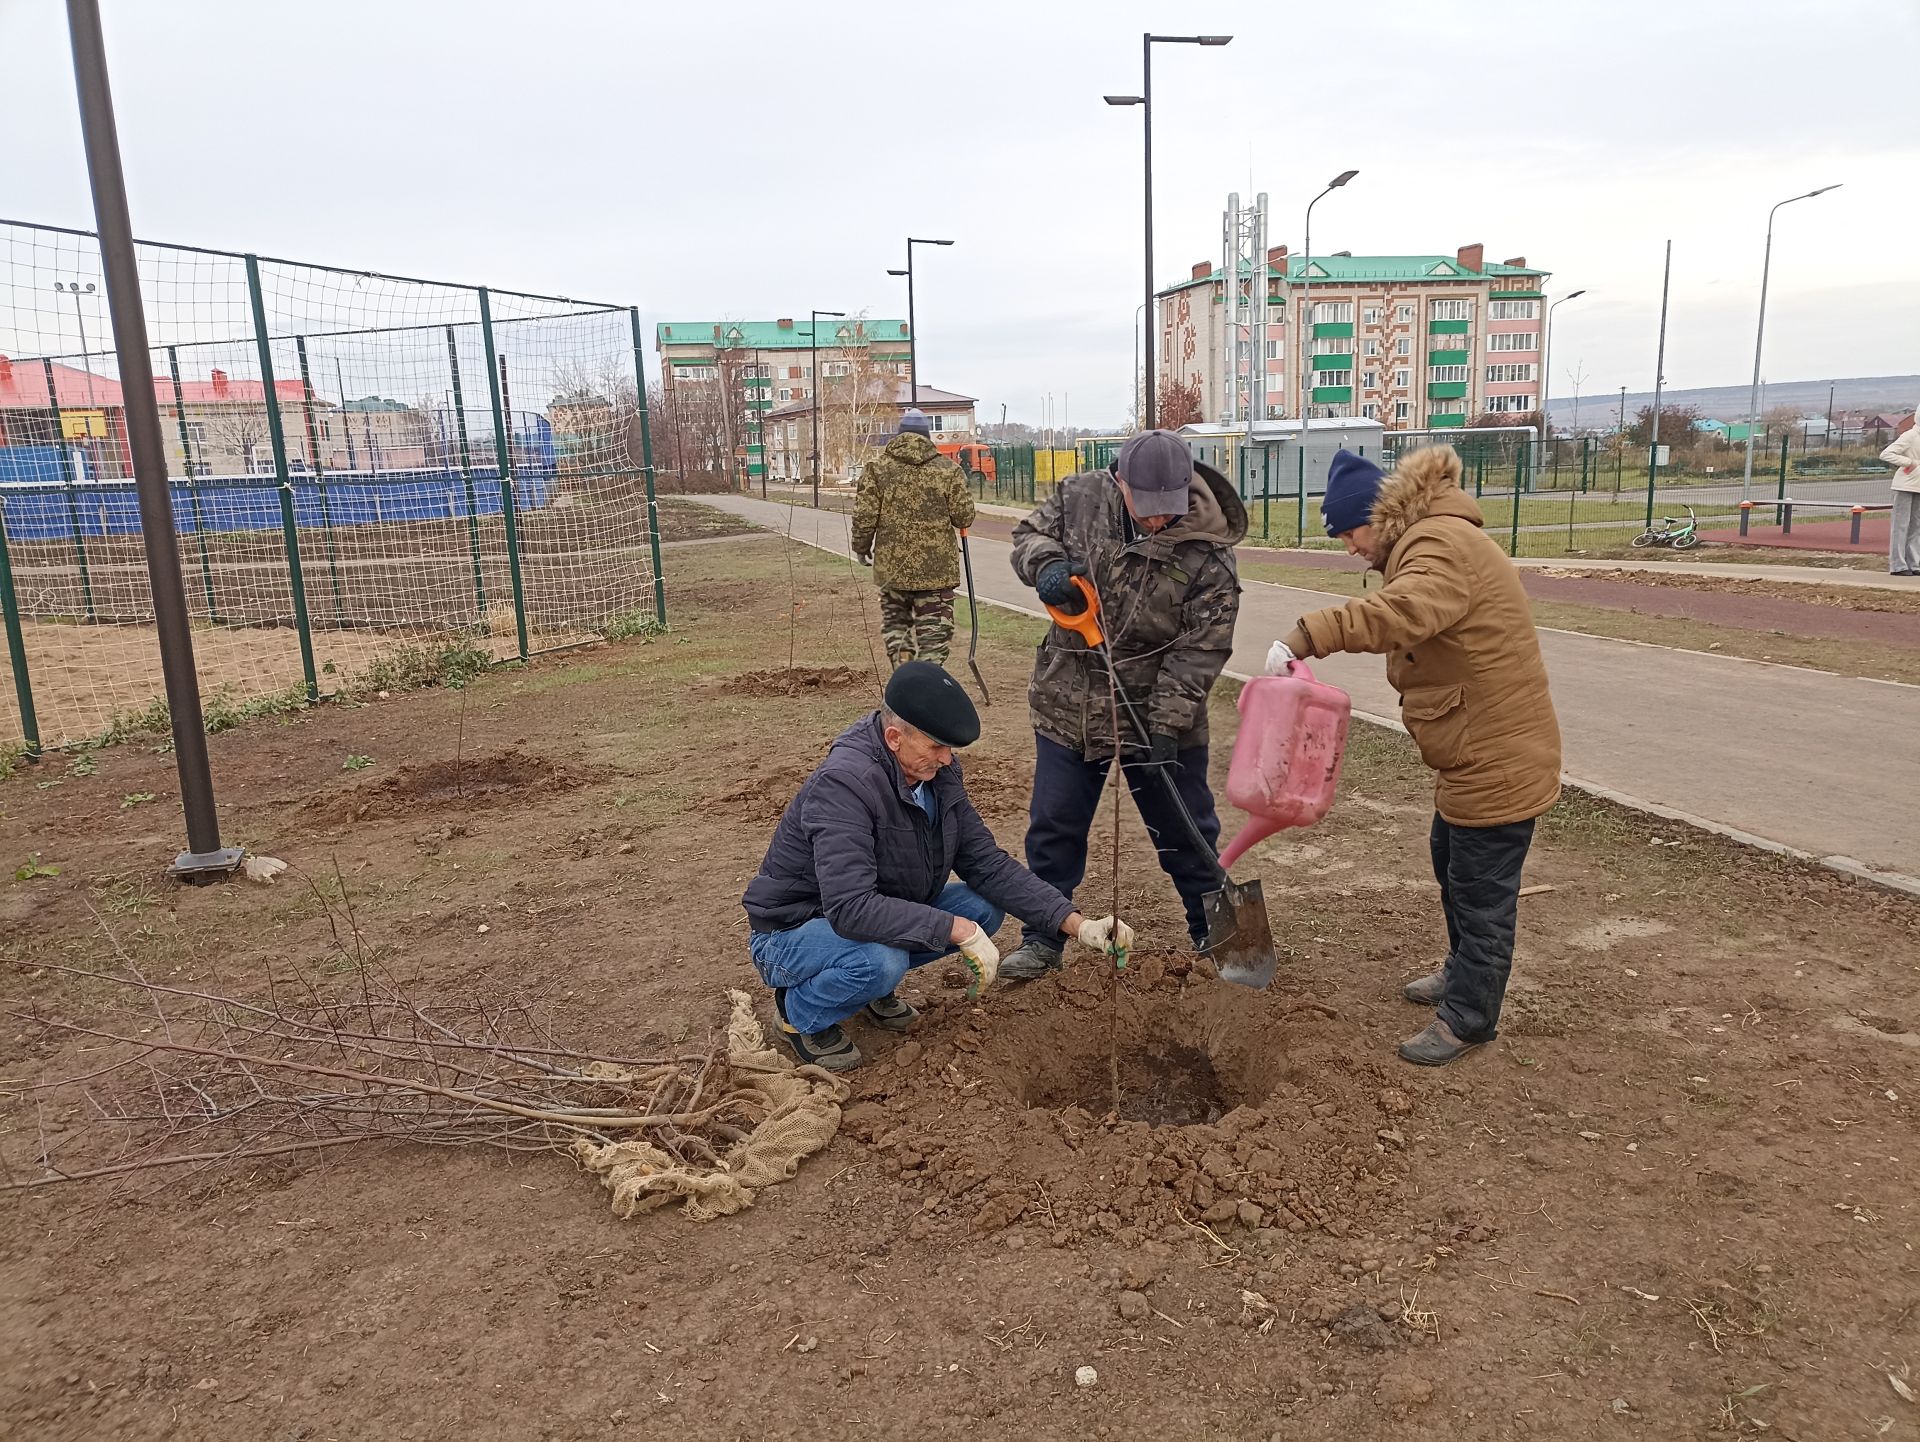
(1675, 1199)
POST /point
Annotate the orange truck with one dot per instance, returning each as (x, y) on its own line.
(975, 459)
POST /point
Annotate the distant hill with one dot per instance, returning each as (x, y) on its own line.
(1896, 395)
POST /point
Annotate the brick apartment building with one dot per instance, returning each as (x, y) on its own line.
(1413, 341)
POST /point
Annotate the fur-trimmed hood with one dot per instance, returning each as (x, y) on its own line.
(1425, 483)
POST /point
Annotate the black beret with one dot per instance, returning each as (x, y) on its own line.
(928, 699)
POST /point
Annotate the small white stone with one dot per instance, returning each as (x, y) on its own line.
(1085, 1377)
(484, 929)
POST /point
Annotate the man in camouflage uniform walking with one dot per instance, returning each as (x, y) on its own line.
(1155, 535)
(910, 502)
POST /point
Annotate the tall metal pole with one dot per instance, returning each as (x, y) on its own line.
(813, 344)
(1303, 325)
(1759, 338)
(1145, 101)
(1146, 107)
(913, 328)
(1659, 384)
(1546, 364)
(913, 338)
(205, 858)
(1303, 321)
(1620, 443)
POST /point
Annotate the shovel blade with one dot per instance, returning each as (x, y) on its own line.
(1239, 937)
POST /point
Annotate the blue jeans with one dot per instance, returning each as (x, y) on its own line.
(828, 978)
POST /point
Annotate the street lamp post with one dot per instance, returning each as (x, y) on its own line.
(1546, 361)
(813, 344)
(1759, 336)
(1303, 319)
(76, 290)
(913, 330)
(1145, 101)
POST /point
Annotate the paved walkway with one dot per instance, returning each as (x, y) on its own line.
(1791, 758)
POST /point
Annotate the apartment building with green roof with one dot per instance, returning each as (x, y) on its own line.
(1414, 341)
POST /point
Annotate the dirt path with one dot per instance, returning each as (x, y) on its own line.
(1680, 1190)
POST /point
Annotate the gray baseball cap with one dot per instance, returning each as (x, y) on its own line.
(1158, 468)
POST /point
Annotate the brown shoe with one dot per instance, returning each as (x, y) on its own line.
(1429, 990)
(1437, 1045)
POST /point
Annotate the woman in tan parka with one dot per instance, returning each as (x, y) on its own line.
(1453, 621)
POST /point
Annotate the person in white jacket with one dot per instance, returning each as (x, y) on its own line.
(1903, 545)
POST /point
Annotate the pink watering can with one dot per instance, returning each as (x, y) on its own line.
(1286, 759)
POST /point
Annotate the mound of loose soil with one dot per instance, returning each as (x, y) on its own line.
(759, 797)
(489, 779)
(792, 681)
(1219, 1107)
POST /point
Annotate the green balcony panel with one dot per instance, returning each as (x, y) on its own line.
(1447, 391)
(1333, 362)
(1333, 329)
(1441, 423)
(1515, 295)
(1448, 327)
(1448, 357)
(1333, 395)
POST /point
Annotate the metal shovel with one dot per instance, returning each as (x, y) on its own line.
(973, 620)
(1239, 936)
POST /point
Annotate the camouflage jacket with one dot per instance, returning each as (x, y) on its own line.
(1170, 601)
(910, 502)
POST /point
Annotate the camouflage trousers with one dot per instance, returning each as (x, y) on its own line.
(917, 625)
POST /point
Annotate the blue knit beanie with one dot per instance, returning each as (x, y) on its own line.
(1353, 485)
(916, 421)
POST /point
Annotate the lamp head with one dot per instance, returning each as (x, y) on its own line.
(1124, 99)
(1341, 179)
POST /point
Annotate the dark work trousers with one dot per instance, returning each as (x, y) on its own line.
(1066, 794)
(1478, 868)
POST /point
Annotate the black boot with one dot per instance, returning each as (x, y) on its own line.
(829, 1048)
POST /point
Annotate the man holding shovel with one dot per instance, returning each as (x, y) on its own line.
(1454, 624)
(1153, 539)
(910, 502)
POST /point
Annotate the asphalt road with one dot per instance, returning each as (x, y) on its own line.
(1798, 758)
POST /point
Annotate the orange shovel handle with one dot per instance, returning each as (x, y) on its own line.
(1086, 624)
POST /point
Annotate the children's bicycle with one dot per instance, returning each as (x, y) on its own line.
(1672, 532)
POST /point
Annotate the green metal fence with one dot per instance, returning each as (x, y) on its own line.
(375, 479)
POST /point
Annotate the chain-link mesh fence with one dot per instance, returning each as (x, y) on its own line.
(374, 480)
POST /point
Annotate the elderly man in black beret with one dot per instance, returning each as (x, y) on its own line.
(881, 864)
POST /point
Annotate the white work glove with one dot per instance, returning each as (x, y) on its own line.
(1279, 658)
(983, 960)
(1109, 934)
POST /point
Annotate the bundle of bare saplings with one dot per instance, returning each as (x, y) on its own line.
(177, 1079)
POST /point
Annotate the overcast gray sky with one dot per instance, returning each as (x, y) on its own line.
(752, 160)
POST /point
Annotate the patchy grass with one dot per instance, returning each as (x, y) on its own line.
(683, 518)
(413, 667)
